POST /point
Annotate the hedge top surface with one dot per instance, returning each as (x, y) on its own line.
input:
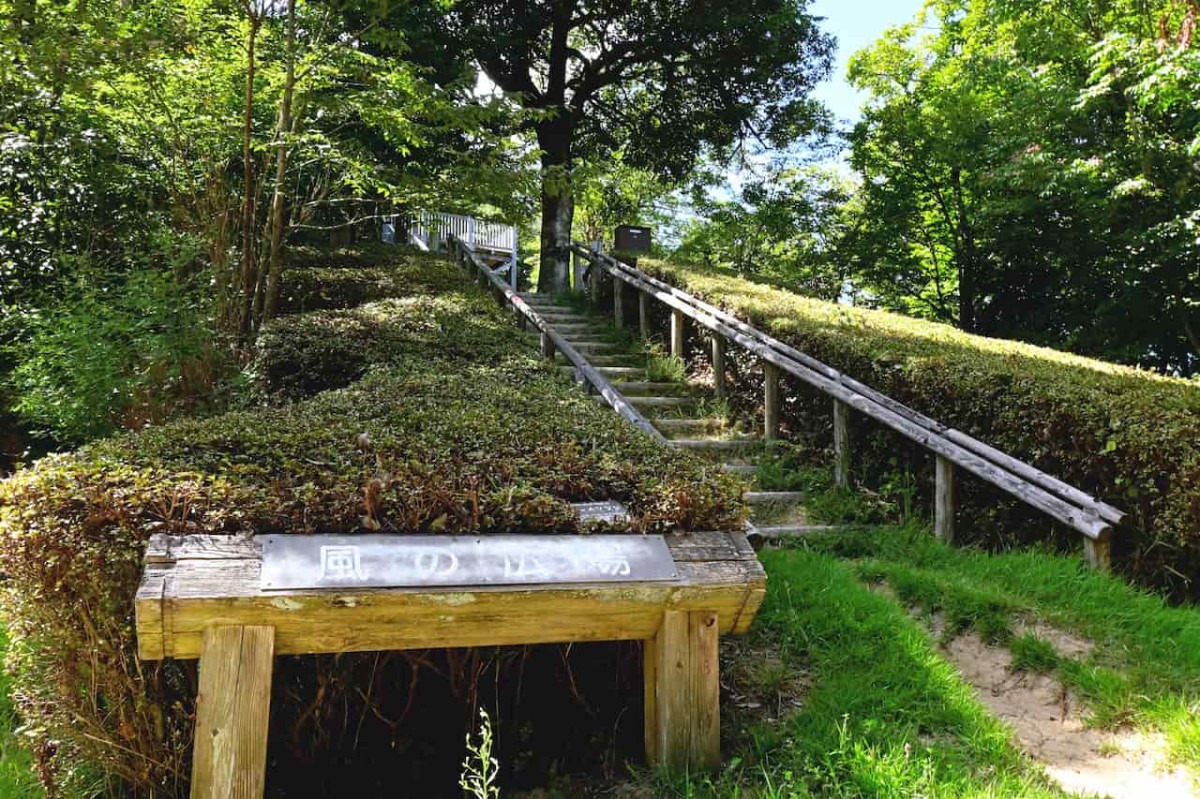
(1128, 436)
(422, 412)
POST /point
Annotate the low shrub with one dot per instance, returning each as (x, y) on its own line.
(123, 354)
(460, 428)
(298, 356)
(1130, 437)
(315, 280)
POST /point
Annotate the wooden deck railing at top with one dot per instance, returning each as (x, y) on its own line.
(552, 341)
(952, 448)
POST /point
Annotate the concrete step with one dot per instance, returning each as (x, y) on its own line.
(643, 388)
(614, 360)
(580, 328)
(715, 444)
(612, 372)
(773, 497)
(789, 531)
(557, 320)
(660, 402)
(595, 348)
(742, 469)
(586, 338)
(687, 427)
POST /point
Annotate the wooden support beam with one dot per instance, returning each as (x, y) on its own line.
(683, 721)
(841, 444)
(677, 334)
(945, 500)
(576, 272)
(718, 365)
(644, 315)
(232, 711)
(548, 348)
(770, 401)
(1098, 552)
(618, 304)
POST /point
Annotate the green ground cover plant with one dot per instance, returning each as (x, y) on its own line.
(455, 425)
(1130, 437)
(17, 780)
(1144, 667)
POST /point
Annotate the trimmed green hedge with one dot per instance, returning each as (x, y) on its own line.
(1130, 437)
(466, 430)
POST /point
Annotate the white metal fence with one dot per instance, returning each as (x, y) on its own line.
(429, 230)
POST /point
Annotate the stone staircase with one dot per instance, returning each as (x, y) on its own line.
(686, 413)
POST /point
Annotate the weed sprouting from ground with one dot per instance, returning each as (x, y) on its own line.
(663, 368)
(480, 770)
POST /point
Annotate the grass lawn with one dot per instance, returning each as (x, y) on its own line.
(870, 708)
(17, 780)
(842, 690)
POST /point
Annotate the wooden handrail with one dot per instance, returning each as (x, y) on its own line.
(552, 340)
(1060, 500)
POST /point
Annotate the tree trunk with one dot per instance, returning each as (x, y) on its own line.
(558, 203)
(249, 276)
(275, 255)
(966, 258)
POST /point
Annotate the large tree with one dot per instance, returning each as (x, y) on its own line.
(1028, 171)
(660, 80)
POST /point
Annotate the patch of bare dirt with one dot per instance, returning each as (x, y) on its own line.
(1066, 643)
(1049, 726)
(1049, 723)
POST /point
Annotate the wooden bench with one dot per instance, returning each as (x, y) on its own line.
(200, 597)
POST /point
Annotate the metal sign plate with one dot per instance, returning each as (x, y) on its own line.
(291, 562)
(606, 512)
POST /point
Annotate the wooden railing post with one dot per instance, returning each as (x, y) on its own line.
(718, 365)
(841, 444)
(576, 272)
(1098, 551)
(644, 314)
(945, 500)
(618, 303)
(548, 348)
(232, 713)
(770, 401)
(677, 334)
(683, 693)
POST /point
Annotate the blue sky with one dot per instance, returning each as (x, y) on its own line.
(855, 23)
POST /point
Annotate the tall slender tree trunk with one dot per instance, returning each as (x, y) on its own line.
(275, 256)
(967, 257)
(558, 203)
(249, 275)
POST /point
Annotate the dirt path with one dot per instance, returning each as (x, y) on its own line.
(1050, 727)
(1049, 722)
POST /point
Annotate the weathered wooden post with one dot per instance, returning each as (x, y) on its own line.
(644, 314)
(945, 500)
(232, 713)
(770, 401)
(595, 277)
(677, 334)
(683, 716)
(841, 444)
(548, 348)
(1098, 551)
(718, 365)
(514, 264)
(618, 302)
(577, 272)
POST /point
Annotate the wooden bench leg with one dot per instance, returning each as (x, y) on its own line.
(683, 702)
(232, 711)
